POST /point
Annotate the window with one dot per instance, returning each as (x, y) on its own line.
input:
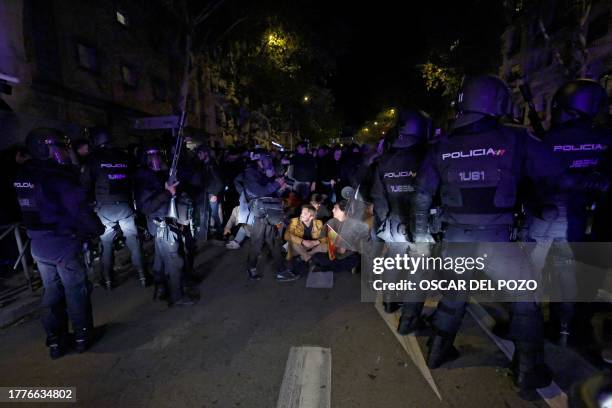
(160, 92)
(122, 18)
(88, 57)
(128, 74)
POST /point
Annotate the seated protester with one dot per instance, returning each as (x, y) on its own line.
(318, 202)
(304, 236)
(244, 230)
(338, 258)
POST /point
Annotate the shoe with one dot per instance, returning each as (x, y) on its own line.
(408, 324)
(160, 292)
(529, 370)
(184, 301)
(253, 274)
(441, 350)
(391, 307)
(232, 245)
(286, 276)
(56, 351)
(142, 278)
(83, 339)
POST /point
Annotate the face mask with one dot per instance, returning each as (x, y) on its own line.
(155, 162)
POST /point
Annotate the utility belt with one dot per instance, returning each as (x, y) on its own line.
(101, 203)
(167, 231)
(270, 208)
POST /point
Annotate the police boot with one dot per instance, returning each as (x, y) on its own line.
(564, 334)
(160, 292)
(253, 274)
(83, 339)
(530, 371)
(441, 350)
(408, 323)
(391, 307)
(142, 278)
(57, 346)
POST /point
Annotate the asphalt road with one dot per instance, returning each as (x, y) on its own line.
(231, 348)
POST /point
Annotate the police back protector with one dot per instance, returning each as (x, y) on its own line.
(479, 175)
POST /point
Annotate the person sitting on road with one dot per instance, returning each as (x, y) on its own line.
(243, 230)
(318, 202)
(304, 237)
(338, 256)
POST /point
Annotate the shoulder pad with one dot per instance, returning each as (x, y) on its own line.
(521, 130)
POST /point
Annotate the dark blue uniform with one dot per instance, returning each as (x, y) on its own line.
(108, 170)
(477, 171)
(392, 191)
(253, 184)
(560, 213)
(153, 199)
(58, 219)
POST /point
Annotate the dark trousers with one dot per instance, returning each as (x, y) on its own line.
(122, 216)
(265, 235)
(526, 322)
(66, 288)
(208, 213)
(168, 263)
(337, 265)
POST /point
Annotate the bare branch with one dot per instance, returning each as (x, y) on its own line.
(207, 11)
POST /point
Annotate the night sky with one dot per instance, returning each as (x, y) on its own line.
(377, 46)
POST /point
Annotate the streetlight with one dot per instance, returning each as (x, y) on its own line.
(375, 123)
(306, 98)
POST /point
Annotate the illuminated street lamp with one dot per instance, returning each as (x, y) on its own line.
(375, 123)
(306, 98)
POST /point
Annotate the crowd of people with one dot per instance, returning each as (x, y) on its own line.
(297, 205)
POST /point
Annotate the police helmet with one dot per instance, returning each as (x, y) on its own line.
(49, 143)
(479, 97)
(412, 127)
(580, 98)
(99, 136)
(154, 157)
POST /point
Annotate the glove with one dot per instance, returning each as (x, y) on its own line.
(596, 182)
(423, 238)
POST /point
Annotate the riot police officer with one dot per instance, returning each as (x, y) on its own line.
(107, 169)
(259, 190)
(393, 185)
(58, 219)
(559, 214)
(153, 197)
(477, 169)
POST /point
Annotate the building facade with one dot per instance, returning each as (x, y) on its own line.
(550, 41)
(75, 64)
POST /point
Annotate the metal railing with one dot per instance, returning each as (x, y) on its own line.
(22, 248)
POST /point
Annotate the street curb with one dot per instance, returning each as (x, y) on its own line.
(16, 311)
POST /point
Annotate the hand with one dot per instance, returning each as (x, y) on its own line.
(333, 182)
(341, 250)
(172, 188)
(313, 187)
(226, 231)
(213, 198)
